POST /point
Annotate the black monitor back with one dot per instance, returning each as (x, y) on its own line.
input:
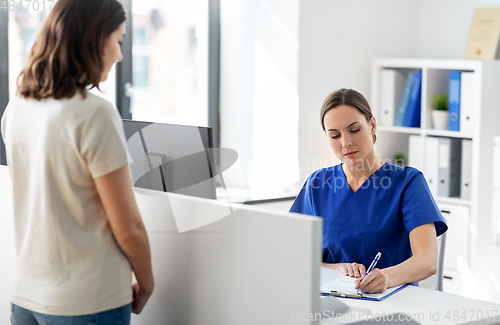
(171, 158)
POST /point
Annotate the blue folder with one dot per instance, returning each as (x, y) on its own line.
(454, 101)
(400, 120)
(372, 297)
(412, 117)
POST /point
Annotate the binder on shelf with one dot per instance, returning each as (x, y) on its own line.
(415, 157)
(400, 120)
(454, 101)
(457, 240)
(392, 87)
(468, 101)
(449, 167)
(466, 169)
(431, 163)
(412, 116)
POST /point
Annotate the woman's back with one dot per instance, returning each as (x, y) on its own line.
(55, 149)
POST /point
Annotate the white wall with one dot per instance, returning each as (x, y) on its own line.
(339, 38)
(443, 26)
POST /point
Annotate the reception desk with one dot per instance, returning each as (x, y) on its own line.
(424, 306)
(243, 265)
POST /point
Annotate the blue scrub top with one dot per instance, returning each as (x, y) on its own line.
(378, 217)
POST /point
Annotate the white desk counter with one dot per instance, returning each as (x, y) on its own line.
(423, 305)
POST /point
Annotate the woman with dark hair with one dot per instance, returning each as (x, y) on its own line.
(79, 234)
(368, 205)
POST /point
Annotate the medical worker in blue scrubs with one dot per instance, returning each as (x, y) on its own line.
(369, 205)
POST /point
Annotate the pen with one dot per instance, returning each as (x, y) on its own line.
(345, 295)
(372, 266)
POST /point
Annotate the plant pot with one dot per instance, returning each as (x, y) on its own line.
(440, 120)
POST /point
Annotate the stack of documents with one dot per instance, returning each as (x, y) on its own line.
(344, 287)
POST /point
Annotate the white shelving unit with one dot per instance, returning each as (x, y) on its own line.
(473, 227)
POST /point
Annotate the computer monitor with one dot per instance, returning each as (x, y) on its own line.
(171, 158)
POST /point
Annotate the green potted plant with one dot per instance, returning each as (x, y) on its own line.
(399, 159)
(440, 111)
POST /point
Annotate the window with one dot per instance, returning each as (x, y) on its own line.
(4, 73)
(23, 28)
(259, 93)
(140, 59)
(170, 61)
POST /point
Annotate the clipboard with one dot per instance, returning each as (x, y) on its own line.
(343, 287)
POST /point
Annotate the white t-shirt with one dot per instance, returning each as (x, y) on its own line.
(68, 262)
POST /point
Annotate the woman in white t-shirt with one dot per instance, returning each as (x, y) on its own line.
(79, 234)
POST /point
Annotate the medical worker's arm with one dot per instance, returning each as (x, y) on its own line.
(117, 196)
(354, 270)
(420, 266)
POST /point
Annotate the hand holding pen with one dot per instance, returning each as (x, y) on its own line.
(376, 282)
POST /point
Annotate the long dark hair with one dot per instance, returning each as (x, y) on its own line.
(67, 54)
